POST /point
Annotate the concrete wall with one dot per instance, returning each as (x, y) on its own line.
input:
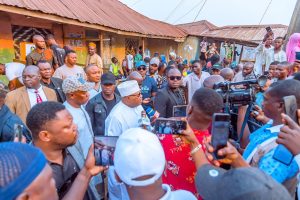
(6, 42)
(161, 46)
(189, 49)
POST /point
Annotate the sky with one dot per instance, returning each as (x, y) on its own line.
(218, 12)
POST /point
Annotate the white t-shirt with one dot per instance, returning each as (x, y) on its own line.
(94, 92)
(122, 118)
(32, 95)
(280, 56)
(14, 70)
(64, 71)
(84, 127)
(193, 83)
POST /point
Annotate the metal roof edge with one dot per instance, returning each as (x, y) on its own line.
(65, 20)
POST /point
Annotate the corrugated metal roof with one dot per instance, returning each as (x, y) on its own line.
(197, 28)
(109, 13)
(247, 33)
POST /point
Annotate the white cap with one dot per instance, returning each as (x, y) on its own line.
(154, 60)
(128, 88)
(139, 153)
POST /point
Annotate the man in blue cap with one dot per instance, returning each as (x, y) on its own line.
(149, 86)
(24, 173)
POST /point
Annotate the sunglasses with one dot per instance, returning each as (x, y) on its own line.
(194, 66)
(172, 78)
(141, 68)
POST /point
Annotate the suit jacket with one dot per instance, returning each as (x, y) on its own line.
(19, 103)
(165, 100)
(57, 82)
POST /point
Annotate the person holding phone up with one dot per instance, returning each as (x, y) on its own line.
(240, 182)
(262, 150)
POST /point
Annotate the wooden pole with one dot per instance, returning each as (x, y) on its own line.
(101, 44)
(143, 45)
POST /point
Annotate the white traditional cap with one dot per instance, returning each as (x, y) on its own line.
(139, 153)
(128, 88)
(154, 60)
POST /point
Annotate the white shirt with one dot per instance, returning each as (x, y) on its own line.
(32, 95)
(262, 57)
(280, 56)
(177, 194)
(122, 118)
(193, 83)
(64, 71)
(129, 58)
(94, 92)
(84, 127)
(14, 70)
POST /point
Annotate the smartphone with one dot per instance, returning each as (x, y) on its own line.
(169, 126)
(283, 155)
(290, 107)
(220, 132)
(179, 111)
(268, 29)
(18, 131)
(104, 148)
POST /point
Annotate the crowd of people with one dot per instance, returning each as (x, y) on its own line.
(61, 107)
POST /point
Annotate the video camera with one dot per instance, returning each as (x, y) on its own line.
(239, 97)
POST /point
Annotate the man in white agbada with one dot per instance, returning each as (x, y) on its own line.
(127, 112)
(263, 56)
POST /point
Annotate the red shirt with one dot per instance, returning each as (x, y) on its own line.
(180, 171)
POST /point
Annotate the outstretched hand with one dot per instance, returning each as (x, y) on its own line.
(289, 135)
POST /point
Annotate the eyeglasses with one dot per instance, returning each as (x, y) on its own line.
(194, 66)
(172, 78)
(141, 68)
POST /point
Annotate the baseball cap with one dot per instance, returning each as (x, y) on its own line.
(140, 63)
(139, 153)
(108, 78)
(20, 165)
(239, 183)
(154, 61)
(216, 66)
(73, 84)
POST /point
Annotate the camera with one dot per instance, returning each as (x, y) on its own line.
(239, 97)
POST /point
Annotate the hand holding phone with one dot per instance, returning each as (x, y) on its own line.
(18, 132)
(104, 148)
(220, 132)
(282, 154)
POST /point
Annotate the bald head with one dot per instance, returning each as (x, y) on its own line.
(211, 80)
(136, 76)
(227, 74)
(39, 41)
(31, 77)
